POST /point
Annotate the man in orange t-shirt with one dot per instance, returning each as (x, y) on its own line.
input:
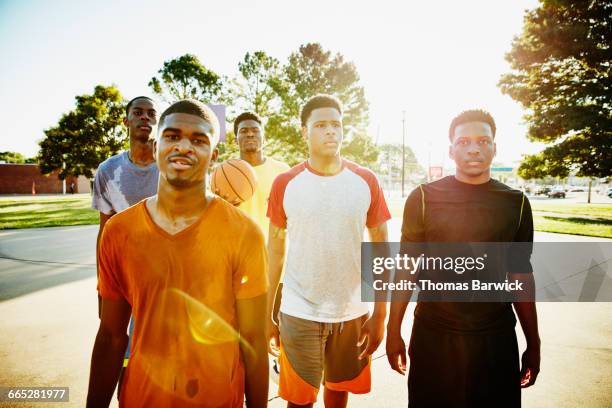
(192, 270)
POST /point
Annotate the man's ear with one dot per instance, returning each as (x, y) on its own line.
(215, 155)
(155, 148)
(125, 121)
(451, 152)
(494, 149)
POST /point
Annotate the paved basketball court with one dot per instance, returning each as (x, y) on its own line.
(48, 321)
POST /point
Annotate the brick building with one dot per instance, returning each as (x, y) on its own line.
(27, 179)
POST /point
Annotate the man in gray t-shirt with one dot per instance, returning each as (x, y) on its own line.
(128, 177)
(120, 183)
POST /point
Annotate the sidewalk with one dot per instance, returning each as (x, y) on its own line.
(48, 333)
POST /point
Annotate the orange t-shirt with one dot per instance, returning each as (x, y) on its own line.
(183, 290)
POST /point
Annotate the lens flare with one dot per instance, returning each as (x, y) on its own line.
(188, 348)
(206, 326)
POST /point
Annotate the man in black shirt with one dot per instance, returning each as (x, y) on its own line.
(466, 354)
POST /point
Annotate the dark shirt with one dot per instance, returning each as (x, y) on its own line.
(448, 210)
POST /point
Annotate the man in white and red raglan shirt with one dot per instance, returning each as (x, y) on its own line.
(322, 207)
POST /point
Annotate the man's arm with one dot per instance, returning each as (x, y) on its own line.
(396, 348)
(254, 349)
(373, 329)
(525, 303)
(103, 219)
(528, 317)
(413, 230)
(276, 260)
(108, 351)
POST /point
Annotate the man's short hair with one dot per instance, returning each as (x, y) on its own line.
(472, 115)
(318, 102)
(129, 104)
(196, 108)
(246, 116)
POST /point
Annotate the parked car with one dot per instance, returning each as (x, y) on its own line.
(577, 190)
(542, 190)
(557, 192)
(610, 192)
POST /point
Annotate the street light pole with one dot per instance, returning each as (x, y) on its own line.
(403, 149)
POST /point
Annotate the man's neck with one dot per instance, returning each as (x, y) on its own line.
(253, 158)
(326, 165)
(179, 203)
(141, 153)
(480, 179)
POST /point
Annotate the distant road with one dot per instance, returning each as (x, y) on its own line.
(575, 198)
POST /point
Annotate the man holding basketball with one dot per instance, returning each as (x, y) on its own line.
(323, 205)
(192, 270)
(250, 137)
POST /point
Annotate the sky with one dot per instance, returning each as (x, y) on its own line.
(429, 59)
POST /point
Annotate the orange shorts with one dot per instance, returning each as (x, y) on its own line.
(313, 353)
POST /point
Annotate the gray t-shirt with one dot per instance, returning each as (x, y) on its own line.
(119, 184)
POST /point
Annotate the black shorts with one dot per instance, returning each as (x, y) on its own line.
(450, 369)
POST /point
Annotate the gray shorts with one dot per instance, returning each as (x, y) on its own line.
(313, 353)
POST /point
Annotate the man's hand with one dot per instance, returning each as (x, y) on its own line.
(396, 351)
(526, 311)
(372, 333)
(530, 367)
(273, 339)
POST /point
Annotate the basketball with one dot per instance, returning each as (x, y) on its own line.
(234, 180)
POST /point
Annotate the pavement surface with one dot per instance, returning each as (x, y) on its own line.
(48, 321)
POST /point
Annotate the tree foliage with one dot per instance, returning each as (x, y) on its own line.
(229, 149)
(276, 92)
(85, 136)
(561, 75)
(14, 157)
(390, 162)
(252, 89)
(361, 150)
(185, 77)
(309, 71)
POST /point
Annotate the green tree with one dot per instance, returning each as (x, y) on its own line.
(12, 157)
(309, 71)
(361, 150)
(561, 76)
(252, 89)
(85, 136)
(390, 163)
(185, 77)
(228, 149)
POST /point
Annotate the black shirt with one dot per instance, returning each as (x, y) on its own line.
(448, 210)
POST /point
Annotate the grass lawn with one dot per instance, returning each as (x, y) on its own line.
(592, 210)
(46, 211)
(52, 211)
(549, 222)
(571, 218)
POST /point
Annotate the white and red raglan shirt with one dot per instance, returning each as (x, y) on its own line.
(325, 217)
